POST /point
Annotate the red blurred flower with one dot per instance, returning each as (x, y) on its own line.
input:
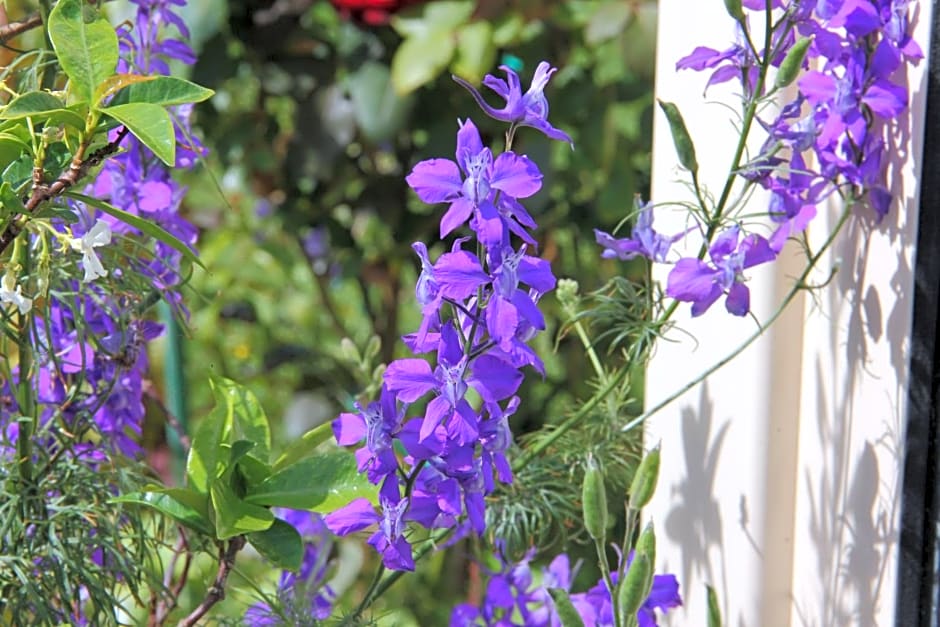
(371, 12)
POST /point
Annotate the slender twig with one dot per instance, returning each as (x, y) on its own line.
(76, 171)
(216, 591)
(11, 30)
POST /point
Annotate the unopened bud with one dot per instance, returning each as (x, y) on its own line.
(644, 481)
(594, 501)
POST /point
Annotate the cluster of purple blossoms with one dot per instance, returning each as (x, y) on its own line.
(837, 121)
(304, 594)
(511, 593)
(93, 339)
(479, 306)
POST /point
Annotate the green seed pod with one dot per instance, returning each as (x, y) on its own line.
(792, 63)
(566, 612)
(714, 614)
(644, 481)
(594, 501)
(734, 9)
(680, 136)
(646, 543)
(635, 587)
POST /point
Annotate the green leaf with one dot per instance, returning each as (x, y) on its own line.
(379, 111)
(281, 544)
(476, 52)
(143, 225)
(30, 104)
(174, 503)
(419, 60)
(233, 516)
(442, 15)
(321, 483)
(113, 84)
(151, 124)
(305, 446)
(41, 105)
(205, 453)
(567, 613)
(164, 91)
(85, 43)
(10, 199)
(247, 421)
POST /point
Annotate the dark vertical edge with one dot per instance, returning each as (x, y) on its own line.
(917, 567)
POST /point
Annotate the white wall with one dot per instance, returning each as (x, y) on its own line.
(780, 482)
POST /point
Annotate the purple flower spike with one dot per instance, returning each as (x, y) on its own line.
(529, 109)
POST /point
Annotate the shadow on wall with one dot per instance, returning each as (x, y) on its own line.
(694, 523)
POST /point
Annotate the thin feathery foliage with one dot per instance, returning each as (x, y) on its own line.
(542, 507)
(68, 550)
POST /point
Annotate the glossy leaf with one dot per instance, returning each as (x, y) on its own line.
(205, 453)
(247, 420)
(321, 483)
(281, 544)
(113, 84)
(233, 516)
(175, 503)
(150, 124)
(85, 43)
(41, 105)
(163, 91)
(304, 446)
(143, 225)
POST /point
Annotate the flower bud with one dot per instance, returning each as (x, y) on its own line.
(680, 136)
(792, 63)
(646, 543)
(644, 481)
(635, 587)
(734, 9)
(594, 501)
(714, 614)
(567, 613)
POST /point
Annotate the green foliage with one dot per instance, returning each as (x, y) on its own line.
(85, 44)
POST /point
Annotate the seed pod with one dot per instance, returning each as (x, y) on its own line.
(635, 587)
(792, 63)
(714, 614)
(594, 501)
(734, 9)
(680, 136)
(565, 608)
(646, 543)
(644, 481)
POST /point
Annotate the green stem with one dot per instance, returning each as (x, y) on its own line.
(26, 400)
(589, 349)
(798, 286)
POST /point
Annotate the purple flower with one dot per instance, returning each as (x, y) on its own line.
(377, 423)
(470, 184)
(529, 109)
(701, 283)
(642, 241)
(389, 539)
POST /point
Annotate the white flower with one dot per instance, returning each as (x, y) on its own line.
(98, 235)
(9, 295)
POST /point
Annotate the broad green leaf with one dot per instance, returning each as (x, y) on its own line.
(281, 544)
(248, 421)
(170, 504)
(441, 15)
(205, 453)
(41, 105)
(31, 103)
(305, 446)
(321, 483)
(143, 225)
(253, 470)
(419, 60)
(476, 52)
(116, 82)
(85, 43)
(238, 450)
(233, 516)
(164, 91)
(151, 124)
(380, 112)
